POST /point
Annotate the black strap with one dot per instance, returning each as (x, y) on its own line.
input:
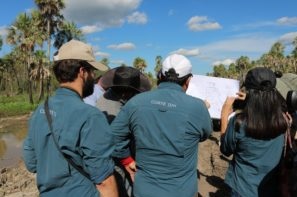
(49, 121)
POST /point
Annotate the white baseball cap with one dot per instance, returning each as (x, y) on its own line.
(179, 63)
(78, 50)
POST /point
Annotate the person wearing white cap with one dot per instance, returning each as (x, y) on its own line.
(167, 125)
(69, 142)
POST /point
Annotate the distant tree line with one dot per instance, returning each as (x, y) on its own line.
(274, 59)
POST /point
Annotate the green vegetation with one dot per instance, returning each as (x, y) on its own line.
(16, 105)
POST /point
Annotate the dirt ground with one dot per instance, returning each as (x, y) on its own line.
(18, 182)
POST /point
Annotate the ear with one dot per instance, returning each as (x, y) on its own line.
(81, 72)
(186, 84)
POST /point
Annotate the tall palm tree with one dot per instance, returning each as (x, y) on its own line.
(39, 72)
(140, 64)
(294, 52)
(24, 34)
(277, 50)
(242, 65)
(1, 42)
(219, 71)
(276, 56)
(52, 18)
(66, 32)
(158, 62)
(8, 69)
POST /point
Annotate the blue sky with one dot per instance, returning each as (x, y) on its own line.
(208, 32)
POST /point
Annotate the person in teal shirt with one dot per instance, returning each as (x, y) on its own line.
(167, 125)
(81, 131)
(254, 136)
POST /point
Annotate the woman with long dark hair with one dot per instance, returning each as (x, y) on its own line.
(254, 135)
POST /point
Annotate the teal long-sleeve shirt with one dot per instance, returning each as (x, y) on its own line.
(166, 125)
(82, 133)
(252, 171)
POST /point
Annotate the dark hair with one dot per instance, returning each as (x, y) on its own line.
(263, 114)
(172, 76)
(67, 70)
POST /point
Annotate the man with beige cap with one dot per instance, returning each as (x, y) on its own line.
(69, 143)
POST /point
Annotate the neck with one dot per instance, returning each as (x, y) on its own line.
(72, 86)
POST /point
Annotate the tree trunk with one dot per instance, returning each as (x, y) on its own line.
(48, 55)
(20, 90)
(30, 92)
(41, 92)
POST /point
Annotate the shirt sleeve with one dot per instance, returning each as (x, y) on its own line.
(28, 150)
(121, 133)
(207, 125)
(228, 140)
(97, 146)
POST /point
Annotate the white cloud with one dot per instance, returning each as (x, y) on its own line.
(3, 31)
(88, 29)
(102, 54)
(201, 23)
(284, 21)
(225, 62)
(123, 46)
(186, 52)
(251, 44)
(288, 38)
(287, 21)
(99, 13)
(137, 18)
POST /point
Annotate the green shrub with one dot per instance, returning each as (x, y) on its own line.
(15, 105)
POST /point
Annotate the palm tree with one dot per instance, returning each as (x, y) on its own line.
(294, 52)
(52, 19)
(242, 65)
(140, 64)
(232, 71)
(276, 57)
(219, 70)
(105, 61)
(158, 61)
(50, 12)
(66, 32)
(24, 34)
(39, 72)
(1, 42)
(9, 74)
(277, 50)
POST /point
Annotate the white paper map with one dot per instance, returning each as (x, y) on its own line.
(213, 89)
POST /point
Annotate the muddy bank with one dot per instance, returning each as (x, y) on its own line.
(17, 181)
(4, 122)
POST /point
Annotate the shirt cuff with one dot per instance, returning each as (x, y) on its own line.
(126, 161)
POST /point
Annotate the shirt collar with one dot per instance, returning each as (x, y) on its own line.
(67, 91)
(170, 85)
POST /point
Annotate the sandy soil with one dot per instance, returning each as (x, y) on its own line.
(18, 182)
